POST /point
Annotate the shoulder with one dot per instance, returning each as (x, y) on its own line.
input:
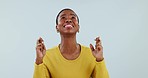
(52, 51)
(85, 48)
(87, 53)
(50, 55)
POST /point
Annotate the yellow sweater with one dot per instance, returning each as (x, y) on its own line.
(56, 66)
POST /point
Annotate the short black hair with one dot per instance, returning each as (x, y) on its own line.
(62, 11)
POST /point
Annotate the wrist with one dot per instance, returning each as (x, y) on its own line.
(100, 59)
(39, 61)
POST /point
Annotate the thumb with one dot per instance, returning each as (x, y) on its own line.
(91, 47)
(44, 52)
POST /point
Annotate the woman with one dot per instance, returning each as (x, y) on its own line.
(69, 59)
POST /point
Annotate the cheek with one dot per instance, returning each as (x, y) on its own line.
(75, 21)
(60, 22)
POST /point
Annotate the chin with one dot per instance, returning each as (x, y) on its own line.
(69, 33)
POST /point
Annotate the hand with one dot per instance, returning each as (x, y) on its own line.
(40, 51)
(98, 51)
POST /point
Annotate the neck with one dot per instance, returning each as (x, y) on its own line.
(68, 44)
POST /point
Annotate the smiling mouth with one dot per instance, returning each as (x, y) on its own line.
(68, 26)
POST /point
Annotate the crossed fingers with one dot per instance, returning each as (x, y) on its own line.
(98, 45)
(40, 45)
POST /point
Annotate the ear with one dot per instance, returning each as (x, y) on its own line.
(57, 28)
(79, 28)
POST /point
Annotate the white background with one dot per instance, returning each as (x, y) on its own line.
(121, 24)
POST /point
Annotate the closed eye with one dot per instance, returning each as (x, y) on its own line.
(73, 17)
(62, 17)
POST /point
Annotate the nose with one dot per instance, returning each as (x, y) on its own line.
(68, 21)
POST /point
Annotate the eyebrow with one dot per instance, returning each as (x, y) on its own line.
(62, 15)
(70, 14)
(73, 14)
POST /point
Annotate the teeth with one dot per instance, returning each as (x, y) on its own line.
(68, 26)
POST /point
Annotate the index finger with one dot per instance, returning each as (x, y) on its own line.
(40, 40)
(97, 40)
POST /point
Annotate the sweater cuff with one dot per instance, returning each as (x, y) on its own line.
(39, 66)
(101, 62)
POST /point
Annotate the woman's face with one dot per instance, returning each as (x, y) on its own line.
(67, 22)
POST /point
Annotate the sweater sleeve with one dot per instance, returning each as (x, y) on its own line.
(100, 70)
(41, 71)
